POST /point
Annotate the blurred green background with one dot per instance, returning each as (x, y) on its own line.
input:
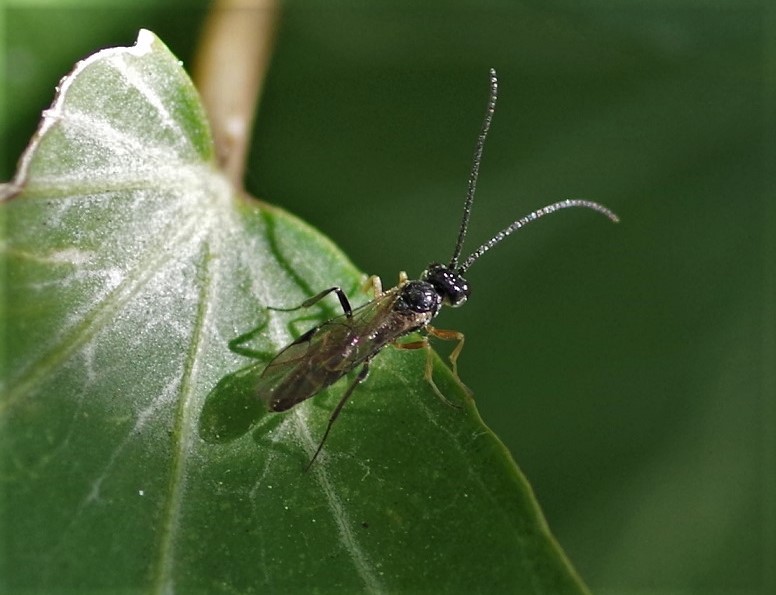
(628, 368)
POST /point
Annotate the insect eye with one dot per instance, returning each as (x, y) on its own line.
(457, 296)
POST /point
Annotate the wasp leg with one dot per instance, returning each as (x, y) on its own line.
(343, 299)
(334, 414)
(447, 335)
(374, 284)
(428, 372)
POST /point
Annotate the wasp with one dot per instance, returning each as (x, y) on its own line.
(326, 353)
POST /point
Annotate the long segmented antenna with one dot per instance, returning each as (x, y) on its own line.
(475, 171)
(563, 204)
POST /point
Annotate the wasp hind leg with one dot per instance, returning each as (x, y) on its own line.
(363, 373)
(447, 335)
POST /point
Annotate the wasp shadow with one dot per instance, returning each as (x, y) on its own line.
(233, 407)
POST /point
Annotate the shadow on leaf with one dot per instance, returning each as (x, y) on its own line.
(232, 408)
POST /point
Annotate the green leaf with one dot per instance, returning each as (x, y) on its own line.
(133, 456)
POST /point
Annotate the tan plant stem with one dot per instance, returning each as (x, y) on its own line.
(229, 71)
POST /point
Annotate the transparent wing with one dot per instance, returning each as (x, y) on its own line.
(326, 353)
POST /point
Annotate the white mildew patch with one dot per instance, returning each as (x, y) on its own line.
(92, 120)
(166, 397)
(107, 153)
(61, 256)
(88, 356)
(104, 279)
(138, 80)
(100, 307)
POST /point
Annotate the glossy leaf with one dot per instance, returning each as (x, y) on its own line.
(133, 454)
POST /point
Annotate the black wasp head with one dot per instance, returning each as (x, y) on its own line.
(448, 283)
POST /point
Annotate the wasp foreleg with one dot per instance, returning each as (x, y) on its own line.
(375, 284)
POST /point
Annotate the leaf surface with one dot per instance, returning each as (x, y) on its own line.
(133, 453)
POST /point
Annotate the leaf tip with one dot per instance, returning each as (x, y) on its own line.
(144, 43)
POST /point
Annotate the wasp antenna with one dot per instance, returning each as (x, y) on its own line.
(475, 171)
(563, 204)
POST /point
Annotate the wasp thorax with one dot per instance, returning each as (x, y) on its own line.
(420, 297)
(450, 285)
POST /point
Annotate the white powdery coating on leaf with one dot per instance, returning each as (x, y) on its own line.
(126, 133)
(137, 80)
(144, 43)
(51, 116)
